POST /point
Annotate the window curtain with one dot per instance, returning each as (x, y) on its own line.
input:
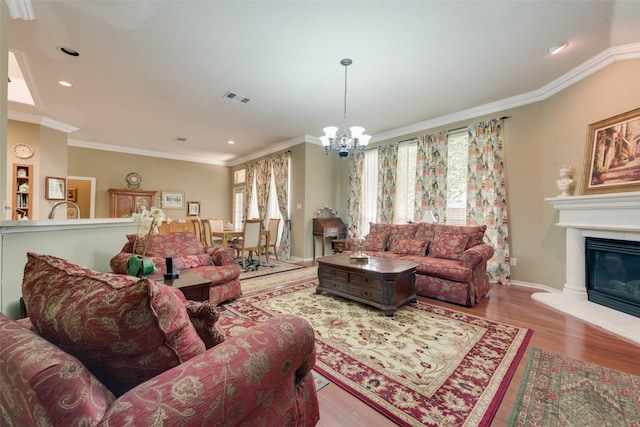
(279, 163)
(431, 176)
(250, 168)
(486, 194)
(387, 163)
(354, 196)
(263, 175)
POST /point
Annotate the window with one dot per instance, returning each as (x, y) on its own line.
(457, 154)
(238, 206)
(404, 203)
(239, 176)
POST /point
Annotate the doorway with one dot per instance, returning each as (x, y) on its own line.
(82, 191)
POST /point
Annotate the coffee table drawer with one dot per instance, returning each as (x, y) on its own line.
(335, 286)
(356, 279)
(329, 274)
(373, 295)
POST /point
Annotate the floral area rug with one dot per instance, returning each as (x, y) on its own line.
(557, 390)
(252, 269)
(428, 365)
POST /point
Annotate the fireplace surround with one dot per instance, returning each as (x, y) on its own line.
(604, 216)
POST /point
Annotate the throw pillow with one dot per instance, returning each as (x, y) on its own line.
(124, 329)
(448, 246)
(410, 247)
(401, 232)
(204, 316)
(375, 242)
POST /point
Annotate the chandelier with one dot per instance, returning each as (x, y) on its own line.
(345, 142)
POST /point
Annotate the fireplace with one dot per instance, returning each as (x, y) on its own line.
(613, 274)
(600, 218)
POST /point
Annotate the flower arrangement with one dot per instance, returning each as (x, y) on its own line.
(148, 222)
(326, 212)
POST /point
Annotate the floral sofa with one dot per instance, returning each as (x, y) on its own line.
(214, 263)
(452, 260)
(102, 349)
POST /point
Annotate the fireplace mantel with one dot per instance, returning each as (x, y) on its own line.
(607, 216)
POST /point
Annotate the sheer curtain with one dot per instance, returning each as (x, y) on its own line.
(369, 202)
(405, 187)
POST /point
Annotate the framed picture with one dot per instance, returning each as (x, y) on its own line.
(612, 155)
(72, 194)
(172, 200)
(193, 208)
(55, 188)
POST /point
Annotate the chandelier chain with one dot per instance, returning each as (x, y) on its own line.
(344, 117)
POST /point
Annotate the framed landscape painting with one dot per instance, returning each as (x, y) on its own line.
(172, 200)
(612, 155)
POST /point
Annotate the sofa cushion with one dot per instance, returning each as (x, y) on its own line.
(175, 244)
(448, 246)
(124, 329)
(376, 241)
(375, 228)
(204, 316)
(446, 269)
(401, 232)
(410, 247)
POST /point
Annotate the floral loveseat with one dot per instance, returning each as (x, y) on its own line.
(114, 350)
(452, 260)
(216, 263)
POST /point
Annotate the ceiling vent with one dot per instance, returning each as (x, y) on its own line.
(236, 97)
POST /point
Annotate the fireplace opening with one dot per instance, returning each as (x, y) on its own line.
(613, 274)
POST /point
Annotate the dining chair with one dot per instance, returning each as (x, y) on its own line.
(197, 228)
(251, 240)
(274, 223)
(206, 233)
(216, 225)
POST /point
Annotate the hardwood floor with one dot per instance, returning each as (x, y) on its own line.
(553, 331)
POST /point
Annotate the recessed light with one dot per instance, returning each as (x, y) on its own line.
(557, 48)
(231, 142)
(65, 84)
(68, 51)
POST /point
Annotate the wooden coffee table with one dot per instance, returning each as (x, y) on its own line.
(193, 286)
(384, 283)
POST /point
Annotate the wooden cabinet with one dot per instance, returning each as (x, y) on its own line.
(22, 191)
(126, 202)
(175, 226)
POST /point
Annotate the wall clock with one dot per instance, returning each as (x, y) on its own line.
(22, 151)
(133, 181)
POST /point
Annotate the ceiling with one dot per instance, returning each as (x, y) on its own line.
(153, 71)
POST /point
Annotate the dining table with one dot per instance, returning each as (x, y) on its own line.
(234, 233)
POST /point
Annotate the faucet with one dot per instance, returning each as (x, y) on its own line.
(68, 202)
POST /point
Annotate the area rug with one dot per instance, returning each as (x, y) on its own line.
(557, 390)
(252, 269)
(428, 365)
(283, 278)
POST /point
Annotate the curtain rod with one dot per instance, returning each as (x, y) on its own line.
(450, 130)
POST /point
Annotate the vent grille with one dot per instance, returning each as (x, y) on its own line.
(236, 97)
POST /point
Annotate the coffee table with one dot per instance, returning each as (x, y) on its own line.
(385, 283)
(193, 286)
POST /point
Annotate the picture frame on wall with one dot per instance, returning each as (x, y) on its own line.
(55, 188)
(193, 208)
(72, 194)
(172, 200)
(612, 155)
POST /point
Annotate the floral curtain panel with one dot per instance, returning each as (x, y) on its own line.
(279, 163)
(354, 196)
(431, 176)
(387, 163)
(486, 194)
(250, 168)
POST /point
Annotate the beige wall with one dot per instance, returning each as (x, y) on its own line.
(208, 184)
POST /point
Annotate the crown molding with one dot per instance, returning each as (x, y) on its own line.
(40, 120)
(274, 149)
(584, 70)
(20, 9)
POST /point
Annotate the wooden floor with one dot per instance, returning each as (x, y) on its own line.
(553, 331)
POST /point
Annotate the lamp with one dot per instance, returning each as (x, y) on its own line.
(344, 142)
(429, 218)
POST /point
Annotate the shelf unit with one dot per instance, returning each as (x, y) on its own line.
(22, 191)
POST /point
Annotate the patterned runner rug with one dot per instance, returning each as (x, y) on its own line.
(426, 366)
(557, 390)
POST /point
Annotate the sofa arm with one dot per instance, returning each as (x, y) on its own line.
(476, 255)
(221, 255)
(261, 374)
(119, 262)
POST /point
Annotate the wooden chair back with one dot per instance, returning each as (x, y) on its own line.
(197, 228)
(206, 233)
